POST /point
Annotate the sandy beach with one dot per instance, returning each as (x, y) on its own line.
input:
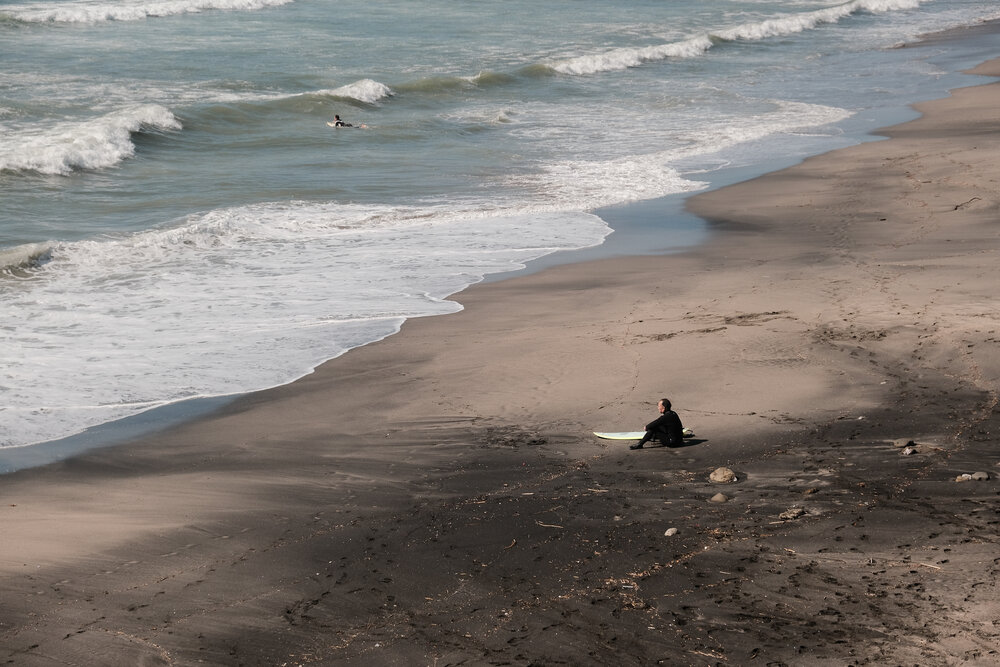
(438, 498)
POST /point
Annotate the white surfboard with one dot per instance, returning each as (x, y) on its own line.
(632, 435)
(622, 435)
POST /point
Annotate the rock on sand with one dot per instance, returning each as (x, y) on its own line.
(722, 476)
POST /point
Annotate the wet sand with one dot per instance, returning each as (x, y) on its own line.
(437, 498)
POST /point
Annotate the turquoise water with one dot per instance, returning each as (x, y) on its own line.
(179, 221)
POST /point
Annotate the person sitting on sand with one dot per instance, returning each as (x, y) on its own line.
(666, 428)
(339, 123)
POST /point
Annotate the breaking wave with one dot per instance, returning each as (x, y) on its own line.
(364, 90)
(17, 261)
(93, 144)
(624, 58)
(97, 12)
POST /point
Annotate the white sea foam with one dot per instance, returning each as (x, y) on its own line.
(786, 118)
(596, 183)
(788, 24)
(199, 309)
(96, 11)
(365, 90)
(633, 57)
(619, 168)
(98, 143)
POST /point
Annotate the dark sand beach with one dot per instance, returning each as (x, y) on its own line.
(437, 498)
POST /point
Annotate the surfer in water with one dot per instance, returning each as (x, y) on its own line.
(336, 122)
(666, 428)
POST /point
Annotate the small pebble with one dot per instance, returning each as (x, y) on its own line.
(670, 532)
(719, 498)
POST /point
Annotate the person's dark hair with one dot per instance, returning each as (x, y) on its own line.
(666, 403)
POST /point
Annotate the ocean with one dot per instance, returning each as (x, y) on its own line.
(179, 221)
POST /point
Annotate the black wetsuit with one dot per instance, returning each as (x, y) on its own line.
(666, 428)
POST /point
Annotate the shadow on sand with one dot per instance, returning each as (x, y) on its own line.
(688, 442)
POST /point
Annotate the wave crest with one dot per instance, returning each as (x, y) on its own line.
(94, 144)
(99, 12)
(631, 57)
(624, 58)
(789, 25)
(18, 260)
(364, 90)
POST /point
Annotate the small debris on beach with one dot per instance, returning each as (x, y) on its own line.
(973, 477)
(670, 532)
(722, 476)
(719, 498)
(793, 513)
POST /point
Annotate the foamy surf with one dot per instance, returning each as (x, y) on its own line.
(790, 25)
(624, 58)
(202, 307)
(100, 11)
(698, 45)
(365, 90)
(61, 147)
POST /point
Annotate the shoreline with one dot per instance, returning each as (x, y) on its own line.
(633, 223)
(436, 496)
